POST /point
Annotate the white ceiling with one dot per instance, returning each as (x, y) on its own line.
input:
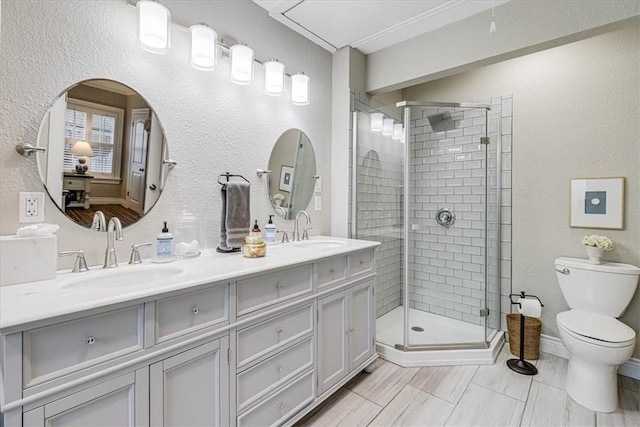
(370, 25)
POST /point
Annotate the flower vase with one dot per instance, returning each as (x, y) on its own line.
(595, 254)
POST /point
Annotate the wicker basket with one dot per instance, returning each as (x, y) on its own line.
(532, 328)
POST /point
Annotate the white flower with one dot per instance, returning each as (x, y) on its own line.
(278, 196)
(602, 242)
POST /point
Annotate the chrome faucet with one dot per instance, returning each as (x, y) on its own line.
(296, 232)
(99, 222)
(114, 232)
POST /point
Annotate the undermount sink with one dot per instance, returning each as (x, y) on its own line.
(319, 243)
(129, 276)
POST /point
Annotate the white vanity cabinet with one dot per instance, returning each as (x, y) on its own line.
(261, 347)
(346, 333)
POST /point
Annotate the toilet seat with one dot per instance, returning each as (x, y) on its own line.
(596, 329)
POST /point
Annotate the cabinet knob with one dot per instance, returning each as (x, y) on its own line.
(331, 270)
(279, 285)
(281, 406)
(195, 310)
(278, 330)
(280, 368)
(361, 262)
(91, 340)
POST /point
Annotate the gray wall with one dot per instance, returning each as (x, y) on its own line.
(212, 125)
(575, 115)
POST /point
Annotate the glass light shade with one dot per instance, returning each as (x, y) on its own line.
(300, 89)
(153, 26)
(241, 64)
(82, 148)
(204, 47)
(376, 122)
(387, 127)
(273, 77)
(397, 131)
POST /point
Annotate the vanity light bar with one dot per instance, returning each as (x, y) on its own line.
(154, 21)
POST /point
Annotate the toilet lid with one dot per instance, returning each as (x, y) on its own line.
(596, 326)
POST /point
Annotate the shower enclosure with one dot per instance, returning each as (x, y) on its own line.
(430, 193)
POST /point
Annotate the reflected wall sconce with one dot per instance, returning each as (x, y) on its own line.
(273, 77)
(376, 122)
(387, 127)
(241, 64)
(153, 26)
(300, 89)
(397, 131)
(204, 47)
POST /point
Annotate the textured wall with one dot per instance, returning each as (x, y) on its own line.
(575, 114)
(212, 125)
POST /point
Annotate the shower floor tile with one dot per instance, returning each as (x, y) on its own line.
(436, 329)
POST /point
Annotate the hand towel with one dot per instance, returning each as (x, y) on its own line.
(236, 216)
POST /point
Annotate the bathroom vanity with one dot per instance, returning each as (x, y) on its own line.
(216, 340)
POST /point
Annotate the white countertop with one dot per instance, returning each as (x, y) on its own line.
(31, 302)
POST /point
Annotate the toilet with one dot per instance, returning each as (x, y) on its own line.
(596, 340)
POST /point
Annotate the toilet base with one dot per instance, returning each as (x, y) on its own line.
(594, 386)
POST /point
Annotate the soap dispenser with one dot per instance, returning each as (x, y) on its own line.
(270, 232)
(254, 245)
(164, 246)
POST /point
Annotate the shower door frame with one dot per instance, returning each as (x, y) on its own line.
(406, 105)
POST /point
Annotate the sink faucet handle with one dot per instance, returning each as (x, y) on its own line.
(285, 236)
(134, 258)
(80, 264)
(305, 234)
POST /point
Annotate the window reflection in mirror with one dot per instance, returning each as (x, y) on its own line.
(293, 171)
(105, 148)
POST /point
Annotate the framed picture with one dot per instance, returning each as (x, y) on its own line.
(286, 174)
(597, 203)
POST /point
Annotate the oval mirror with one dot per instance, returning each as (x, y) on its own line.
(104, 154)
(293, 173)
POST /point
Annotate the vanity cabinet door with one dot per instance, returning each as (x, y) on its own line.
(362, 323)
(192, 388)
(333, 362)
(122, 401)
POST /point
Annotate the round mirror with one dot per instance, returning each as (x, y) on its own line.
(293, 173)
(104, 154)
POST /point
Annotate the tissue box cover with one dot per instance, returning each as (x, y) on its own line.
(27, 259)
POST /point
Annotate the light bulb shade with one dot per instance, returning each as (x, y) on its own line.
(204, 48)
(387, 127)
(376, 122)
(153, 26)
(241, 64)
(397, 131)
(273, 78)
(82, 148)
(300, 89)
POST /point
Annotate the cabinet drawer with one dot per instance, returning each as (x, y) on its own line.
(266, 376)
(361, 262)
(282, 405)
(184, 313)
(266, 336)
(74, 184)
(331, 271)
(259, 292)
(59, 349)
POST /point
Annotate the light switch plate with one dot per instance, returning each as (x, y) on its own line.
(318, 186)
(30, 207)
(318, 203)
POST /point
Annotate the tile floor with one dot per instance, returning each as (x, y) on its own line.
(486, 395)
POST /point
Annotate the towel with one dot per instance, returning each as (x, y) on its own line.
(236, 217)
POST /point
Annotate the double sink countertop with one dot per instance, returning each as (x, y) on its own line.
(24, 304)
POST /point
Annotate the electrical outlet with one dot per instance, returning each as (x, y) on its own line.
(31, 207)
(318, 203)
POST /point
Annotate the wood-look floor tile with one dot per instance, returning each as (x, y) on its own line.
(628, 413)
(445, 382)
(550, 406)
(480, 406)
(345, 409)
(413, 407)
(383, 384)
(628, 383)
(498, 377)
(552, 370)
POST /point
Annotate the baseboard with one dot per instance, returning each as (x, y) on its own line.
(553, 345)
(108, 201)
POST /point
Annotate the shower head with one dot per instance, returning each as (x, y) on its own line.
(441, 122)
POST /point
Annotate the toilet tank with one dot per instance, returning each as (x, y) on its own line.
(606, 288)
